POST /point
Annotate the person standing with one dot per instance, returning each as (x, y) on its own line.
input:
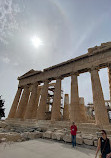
(73, 134)
(104, 145)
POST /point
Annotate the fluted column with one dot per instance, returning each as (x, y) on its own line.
(82, 109)
(109, 75)
(23, 103)
(42, 107)
(30, 105)
(56, 116)
(35, 107)
(66, 107)
(15, 103)
(75, 114)
(101, 116)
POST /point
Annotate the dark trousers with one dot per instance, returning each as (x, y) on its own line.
(104, 156)
(73, 140)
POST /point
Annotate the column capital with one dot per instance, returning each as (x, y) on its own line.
(46, 80)
(74, 73)
(26, 86)
(36, 83)
(59, 77)
(93, 69)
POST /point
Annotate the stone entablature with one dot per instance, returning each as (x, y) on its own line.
(80, 64)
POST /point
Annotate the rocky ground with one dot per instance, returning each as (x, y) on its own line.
(15, 133)
(12, 133)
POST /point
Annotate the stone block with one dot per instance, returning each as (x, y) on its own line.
(34, 135)
(79, 140)
(59, 136)
(88, 141)
(13, 137)
(67, 138)
(47, 134)
(3, 140)
(88, 136)
(54, 136)
(3, 135)
(25, 135)
(95, 143)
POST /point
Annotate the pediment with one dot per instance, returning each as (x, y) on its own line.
(29, 73)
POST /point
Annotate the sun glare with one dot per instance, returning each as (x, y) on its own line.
(36, 41)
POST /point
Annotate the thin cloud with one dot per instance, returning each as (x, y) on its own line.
(6, 60)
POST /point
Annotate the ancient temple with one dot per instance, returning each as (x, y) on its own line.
(32, 100)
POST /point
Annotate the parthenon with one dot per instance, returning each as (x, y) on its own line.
(30, 101)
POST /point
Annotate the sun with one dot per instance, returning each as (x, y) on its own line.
(36, 41)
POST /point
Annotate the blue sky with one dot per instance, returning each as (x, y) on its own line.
(66, 27)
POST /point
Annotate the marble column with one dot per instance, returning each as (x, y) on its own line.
(23, 103)
(43, 101)
(101, 116)
(30, 105)
(82, 109)
(15, 104)
(66, 107)
(35, 107)
(75, 113)
(55, 115)
(109, 75)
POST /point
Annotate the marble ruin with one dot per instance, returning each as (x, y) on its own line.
(30, 102)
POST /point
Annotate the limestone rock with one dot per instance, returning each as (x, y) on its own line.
(54, 136)
(79, 140)
(88, 141)
(34, 135)
(59, 136)
(47, 134)
(13, 137)
(67, 138)
(95, 143)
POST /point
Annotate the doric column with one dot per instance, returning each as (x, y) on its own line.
(66, 107)
(82, 109)
(30, 105)
(35, 107)
(23, 103)
(75, 114)
(43, 101)
(109, 75)
(56, 116)
(15, 103)
(101, 116)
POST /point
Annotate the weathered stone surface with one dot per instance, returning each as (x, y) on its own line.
(54, 136)
(35, 135)
(95, 143)
(59, 136)
(88, 141)
(67, 138)
(47, 134)
(3, 124)
(87, 136)
(79, 140)
(13, 137)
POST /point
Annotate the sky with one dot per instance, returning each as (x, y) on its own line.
(66, 29)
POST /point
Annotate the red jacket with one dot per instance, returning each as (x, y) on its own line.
(73, 130)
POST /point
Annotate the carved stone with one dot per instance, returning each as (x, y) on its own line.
(15, 104)
(57, 102)
(23, 103)
(42, 107)
(101, 116)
